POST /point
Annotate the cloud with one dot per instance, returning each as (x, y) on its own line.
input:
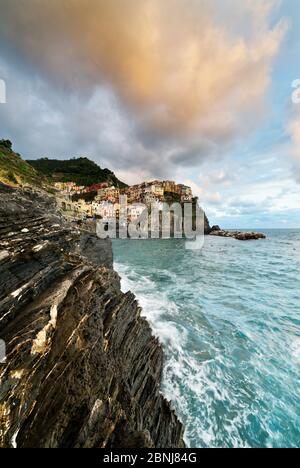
(204, 195)
(193, 154)
(221, 177)
(185, 72)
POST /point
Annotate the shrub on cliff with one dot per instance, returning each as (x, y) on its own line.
(6, 143)
(11, 177)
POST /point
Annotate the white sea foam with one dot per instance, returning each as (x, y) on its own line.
(295, 349)
(230, 331)
(184, 377)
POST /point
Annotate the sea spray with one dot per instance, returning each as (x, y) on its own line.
(228, 319)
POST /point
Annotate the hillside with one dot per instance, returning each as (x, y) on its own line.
(14, 171)
(81, 170)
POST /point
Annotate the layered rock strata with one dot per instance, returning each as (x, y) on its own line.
(82, 368)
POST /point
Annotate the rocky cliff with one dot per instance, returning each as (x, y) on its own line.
(82, 368)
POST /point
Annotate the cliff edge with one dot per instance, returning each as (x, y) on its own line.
(82, 368)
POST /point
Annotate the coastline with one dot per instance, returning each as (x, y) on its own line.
(65, 317)
(229, 325)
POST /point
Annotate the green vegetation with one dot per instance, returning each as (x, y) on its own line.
(87, 197)
(6, 143)
(171, 198)
(14, 171)
(12, 178)
(80, 170)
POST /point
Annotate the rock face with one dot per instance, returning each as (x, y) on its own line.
(243, 236)
(215, 228)
(82, 367)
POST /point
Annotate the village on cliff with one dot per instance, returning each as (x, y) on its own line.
(103, 200)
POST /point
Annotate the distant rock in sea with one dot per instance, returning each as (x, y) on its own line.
(239, 235)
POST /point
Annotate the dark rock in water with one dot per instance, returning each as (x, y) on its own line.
(215, 228)
(243, 236)
(82, 367)
(250, 236)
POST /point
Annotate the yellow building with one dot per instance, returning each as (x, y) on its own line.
(169, 186)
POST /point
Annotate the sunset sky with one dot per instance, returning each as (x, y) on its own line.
(193, 90)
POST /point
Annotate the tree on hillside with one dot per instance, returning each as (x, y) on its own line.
(6, 143)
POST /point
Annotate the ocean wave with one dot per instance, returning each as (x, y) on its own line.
(230, 332)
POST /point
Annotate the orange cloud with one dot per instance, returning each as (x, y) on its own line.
(185, 66)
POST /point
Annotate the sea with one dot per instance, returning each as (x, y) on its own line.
(228, 318)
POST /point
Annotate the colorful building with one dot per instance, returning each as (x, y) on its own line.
(135, 211)
(111, 194)
(96, 187)
(169, 186)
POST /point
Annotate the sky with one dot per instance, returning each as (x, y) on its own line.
(197, 91)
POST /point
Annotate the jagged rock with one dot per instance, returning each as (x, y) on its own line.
(215, 228)
(243, 236)
(82, 367)
(250, 236)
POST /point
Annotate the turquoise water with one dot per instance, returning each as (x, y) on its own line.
(229, 320)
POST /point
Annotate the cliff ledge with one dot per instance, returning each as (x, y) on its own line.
(82, 368)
